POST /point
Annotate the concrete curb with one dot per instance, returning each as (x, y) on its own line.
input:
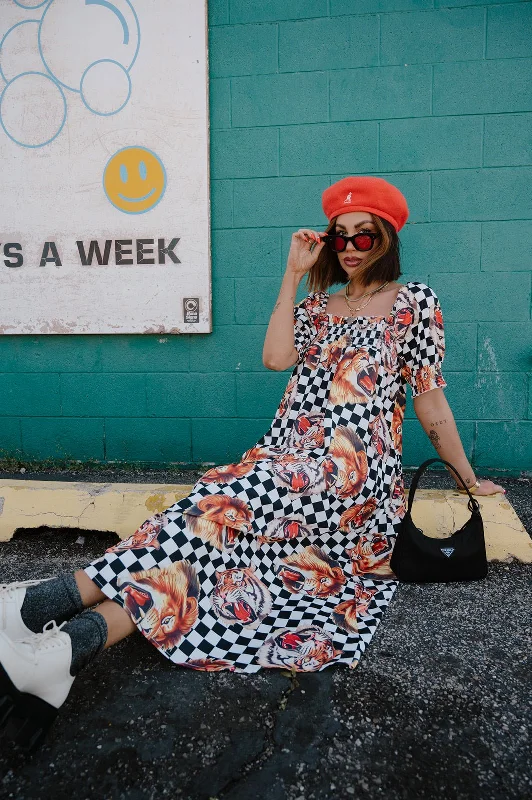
(122, 507)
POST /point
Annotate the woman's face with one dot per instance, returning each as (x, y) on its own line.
(350, 223)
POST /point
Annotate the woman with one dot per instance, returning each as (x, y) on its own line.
(281, 559)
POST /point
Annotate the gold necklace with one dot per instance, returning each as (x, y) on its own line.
(359, 308)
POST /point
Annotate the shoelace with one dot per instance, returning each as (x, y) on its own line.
(45, 640)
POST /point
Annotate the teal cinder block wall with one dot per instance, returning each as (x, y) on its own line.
(435, 97)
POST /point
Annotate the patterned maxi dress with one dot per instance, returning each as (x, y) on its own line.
(282, 559)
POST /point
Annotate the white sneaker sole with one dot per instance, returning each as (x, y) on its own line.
(24, 718)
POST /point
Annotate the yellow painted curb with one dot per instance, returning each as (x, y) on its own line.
(123, 507)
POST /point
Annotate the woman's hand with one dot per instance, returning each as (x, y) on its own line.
(301, 257)
(486, 487)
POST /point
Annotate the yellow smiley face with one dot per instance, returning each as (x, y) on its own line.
(134, 180)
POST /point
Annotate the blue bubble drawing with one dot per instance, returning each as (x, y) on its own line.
(64, 44)
(122, 70)
(6, 97)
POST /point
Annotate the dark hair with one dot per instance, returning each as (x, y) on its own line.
(382, 264)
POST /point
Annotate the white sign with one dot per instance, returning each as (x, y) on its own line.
(104, 190)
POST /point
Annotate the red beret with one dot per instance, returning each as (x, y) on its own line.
(366, 194)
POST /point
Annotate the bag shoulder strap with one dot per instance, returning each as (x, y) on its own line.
(472, 503)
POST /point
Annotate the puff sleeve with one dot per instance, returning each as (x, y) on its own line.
(423, 347)
(304, 330)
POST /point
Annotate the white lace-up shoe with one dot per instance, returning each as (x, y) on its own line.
(35, 681)
(11, 599)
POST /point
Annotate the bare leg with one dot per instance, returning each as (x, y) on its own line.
(90, 594)
(119, 623)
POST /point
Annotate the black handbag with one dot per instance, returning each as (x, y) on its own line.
(422, 559)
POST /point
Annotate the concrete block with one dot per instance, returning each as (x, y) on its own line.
(27, 394)
(219, 103)
(460, 348)
(255, 301)
(103, 395)
(487, 194)
(238, 50)
(221, 203)
(11, 439)
(62, 438)
(160, 441)
(424, 37)
(147, 353)
(61, 353)
(431, 143)
(401, 92)
(193, 394)
(340, 7)
(514, 255)
(509, 32)
(488, 395)
(318, 44)
(445, 246)
(285, 99)
(276, 202)
(318, 149)
(273, 10)
(245, 153)
(246, 253)
(466, 296)
(228, 441)
(508, 140)
(218, 12)
(504, 347)
(508, 444)
(223, 301)
(259, 395)
(476, 81)
(234, 348)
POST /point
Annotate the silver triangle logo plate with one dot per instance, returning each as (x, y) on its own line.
(447, 551)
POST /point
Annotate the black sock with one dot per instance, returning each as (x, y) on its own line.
(57, 599)
(88, 634)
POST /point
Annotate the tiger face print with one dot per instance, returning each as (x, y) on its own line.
(345, 614)
(284, 528)
(305, 649)
(312, 572)
(301, 476)
(371, 556)
(307, 431)
(145, 536)
(163, 603)
(239, 597)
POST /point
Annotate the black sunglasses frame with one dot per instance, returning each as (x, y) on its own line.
(330, 237)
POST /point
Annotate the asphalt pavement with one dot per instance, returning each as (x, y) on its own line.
(439, 706)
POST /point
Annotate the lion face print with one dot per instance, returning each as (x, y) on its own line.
(145, 536)
(305, 649)
(355, 378)
(355, 516)
(311, 571)
(239, 597)
(397, 421)
(217, 519)
(346, 464)
(163, 603)
(371, 556)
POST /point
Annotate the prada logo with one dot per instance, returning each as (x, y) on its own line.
(447, 551)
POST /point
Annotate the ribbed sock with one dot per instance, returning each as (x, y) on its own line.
(57, 599)
(88, 634)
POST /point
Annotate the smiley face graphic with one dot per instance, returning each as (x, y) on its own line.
(134, 180)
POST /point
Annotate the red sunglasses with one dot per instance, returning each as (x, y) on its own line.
(361, 241)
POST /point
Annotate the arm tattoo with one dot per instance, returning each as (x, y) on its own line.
(434, 439)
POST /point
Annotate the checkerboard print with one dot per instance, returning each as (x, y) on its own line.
(275, 563)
